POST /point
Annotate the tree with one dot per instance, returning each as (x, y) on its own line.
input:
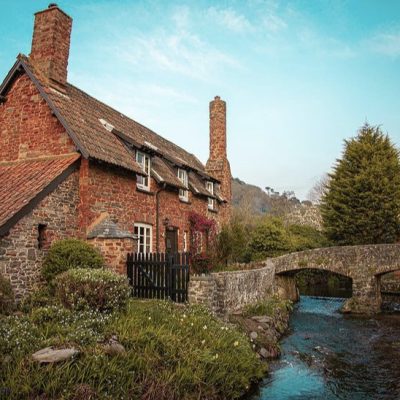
(361, 204)
(317, 191)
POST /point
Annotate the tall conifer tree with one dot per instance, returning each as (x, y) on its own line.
(362, 202)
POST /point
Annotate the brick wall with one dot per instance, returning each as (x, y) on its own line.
(114, 251)
(28, 129)
(112, 190)
(20, 256)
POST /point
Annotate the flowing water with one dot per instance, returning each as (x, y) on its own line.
(328, 355)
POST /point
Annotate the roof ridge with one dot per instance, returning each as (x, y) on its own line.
(136, 122)
(42, 158)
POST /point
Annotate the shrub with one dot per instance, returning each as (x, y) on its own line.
(269, 239)
(99, 289)
(6, 296)
(70, 253)
(305, 237)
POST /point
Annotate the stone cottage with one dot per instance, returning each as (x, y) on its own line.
(71, 166)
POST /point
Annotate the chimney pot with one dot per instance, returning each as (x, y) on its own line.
(52, 5)
(217, 98)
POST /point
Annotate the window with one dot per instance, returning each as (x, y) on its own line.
(41, 236)
(210, 188)
(144, 234)
(183, 177)
(143, 182)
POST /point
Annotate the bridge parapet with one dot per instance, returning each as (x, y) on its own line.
(364, 264)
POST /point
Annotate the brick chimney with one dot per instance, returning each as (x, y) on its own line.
(217, 129)
(218, 164)
(50, 44)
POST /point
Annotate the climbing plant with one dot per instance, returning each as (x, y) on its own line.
(202, 239)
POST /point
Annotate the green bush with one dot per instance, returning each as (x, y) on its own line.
(70, 253)
(303, 237)
(99, 289)
(269, 239)
(6, 296)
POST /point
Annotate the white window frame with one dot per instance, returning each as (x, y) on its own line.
(144, 233)
(183, 177)
(210, 188)
(185, 244)
(143, 182)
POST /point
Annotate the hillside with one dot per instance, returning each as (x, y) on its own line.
(253, 200)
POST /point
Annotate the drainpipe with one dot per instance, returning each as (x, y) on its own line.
(157, 217)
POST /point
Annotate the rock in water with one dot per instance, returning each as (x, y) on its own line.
(50, 355)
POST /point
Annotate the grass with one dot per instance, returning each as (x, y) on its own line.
(172, 352)
(269, 307)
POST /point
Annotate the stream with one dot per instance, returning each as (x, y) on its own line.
(328, 355)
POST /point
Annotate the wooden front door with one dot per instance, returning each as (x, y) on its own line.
(171, 241)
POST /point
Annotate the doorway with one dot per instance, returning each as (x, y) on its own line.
(171, 240)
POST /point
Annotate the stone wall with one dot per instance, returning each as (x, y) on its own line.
(20, 255)
(227, 292)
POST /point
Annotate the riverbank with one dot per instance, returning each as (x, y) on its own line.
(151, 350)
(264, 323)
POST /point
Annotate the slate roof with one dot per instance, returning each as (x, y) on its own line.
(23, 181)
(109, 229)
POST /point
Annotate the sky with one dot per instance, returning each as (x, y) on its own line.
(298, 76)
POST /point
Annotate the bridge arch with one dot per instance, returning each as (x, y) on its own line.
(363, 264)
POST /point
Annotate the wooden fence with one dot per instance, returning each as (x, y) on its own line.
(159, 275)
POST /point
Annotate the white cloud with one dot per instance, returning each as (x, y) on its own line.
(230, 19)
(386, 43)
(179, 53)
(273, 23)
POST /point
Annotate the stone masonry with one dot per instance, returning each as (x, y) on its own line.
(230, 291)
(20, 254)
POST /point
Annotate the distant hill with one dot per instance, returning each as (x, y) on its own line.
(254, 200)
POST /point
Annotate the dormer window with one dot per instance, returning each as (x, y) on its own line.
(210, 188)
(183, 177)
(143, 182)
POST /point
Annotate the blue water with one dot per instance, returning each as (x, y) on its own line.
(331, 356)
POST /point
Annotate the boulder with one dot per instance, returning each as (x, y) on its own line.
(50, 355)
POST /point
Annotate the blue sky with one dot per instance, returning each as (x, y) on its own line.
(298, 76)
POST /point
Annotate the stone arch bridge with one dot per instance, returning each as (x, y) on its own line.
(363, 264)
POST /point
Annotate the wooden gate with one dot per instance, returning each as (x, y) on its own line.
(159, 275)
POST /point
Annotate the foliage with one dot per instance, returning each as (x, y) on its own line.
(70, 253)
(269, 239)
(305, 237)
(40, 296)
(362, 201)
(6, 296)
(269, 307)
(171, 353)
(202, 241)
(232, 243)
(100, 289)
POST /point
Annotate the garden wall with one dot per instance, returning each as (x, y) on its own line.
(227, 292)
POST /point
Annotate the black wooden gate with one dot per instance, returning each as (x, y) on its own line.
(159, 275)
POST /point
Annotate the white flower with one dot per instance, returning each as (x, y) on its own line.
(236, 343)
(205, 327)
(203, 341)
